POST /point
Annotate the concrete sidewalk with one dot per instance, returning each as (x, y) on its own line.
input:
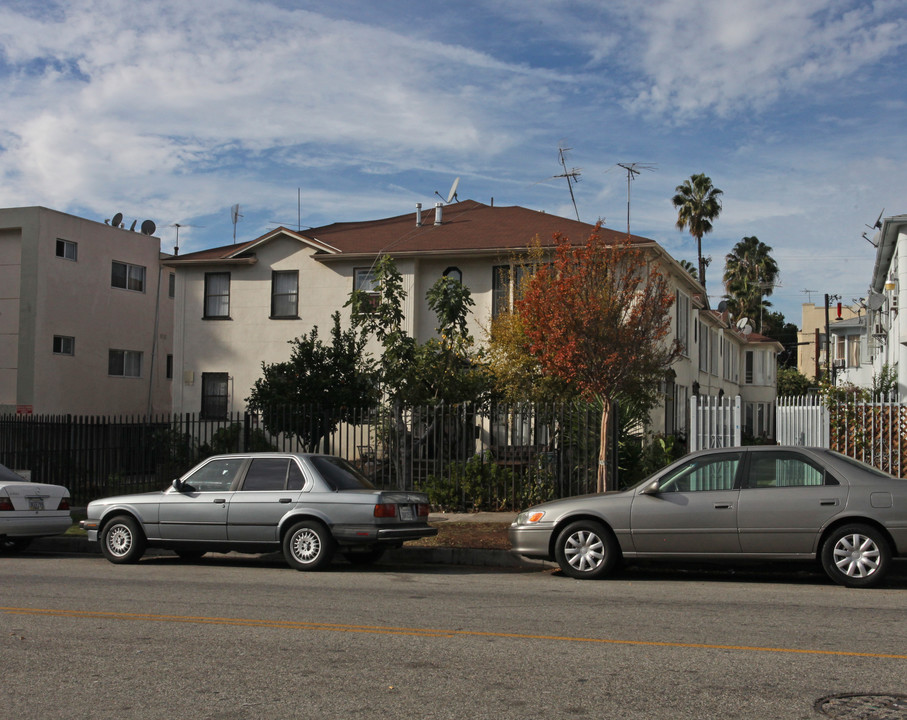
(407, 555)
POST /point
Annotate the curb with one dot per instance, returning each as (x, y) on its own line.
(470, 557)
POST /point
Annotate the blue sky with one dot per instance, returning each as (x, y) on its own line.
(175, 110)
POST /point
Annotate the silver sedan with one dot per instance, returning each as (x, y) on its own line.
(307, 505)
(763, 503)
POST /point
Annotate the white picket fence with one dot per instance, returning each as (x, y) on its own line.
(715, 422)
(803, 421)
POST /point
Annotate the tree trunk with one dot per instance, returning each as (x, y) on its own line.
(602, 480)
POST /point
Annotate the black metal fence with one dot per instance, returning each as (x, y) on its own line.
(464, 457)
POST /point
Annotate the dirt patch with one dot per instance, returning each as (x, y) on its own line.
(479, 535)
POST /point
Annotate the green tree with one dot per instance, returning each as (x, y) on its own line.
(793, 383)
(777, 328)
(750, 273)
(320, 385)
(698, 203)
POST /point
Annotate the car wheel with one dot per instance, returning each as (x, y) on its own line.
(364, 557)
(856, 556)
(586, 550)
(308, 545)
(122, 540)
(14, 544)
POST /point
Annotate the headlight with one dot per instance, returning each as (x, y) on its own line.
(530, 517)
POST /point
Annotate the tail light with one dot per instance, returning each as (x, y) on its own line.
(385, 510)
(424, 509)
(5, 503)
(64, 504)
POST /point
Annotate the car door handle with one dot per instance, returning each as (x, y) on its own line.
(286, 500)
(723, 506)
(221, 500)
(828, 502)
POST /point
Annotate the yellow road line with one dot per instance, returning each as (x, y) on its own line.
(422, 632)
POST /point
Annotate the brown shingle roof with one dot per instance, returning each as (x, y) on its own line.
(466, 226)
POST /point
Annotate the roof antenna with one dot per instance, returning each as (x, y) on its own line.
(235, 216)
(633, 169)
(571, 175)
(176, 248)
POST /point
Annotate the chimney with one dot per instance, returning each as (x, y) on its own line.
(438, 207)
(418, 214)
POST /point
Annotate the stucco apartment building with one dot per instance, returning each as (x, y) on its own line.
(86, 317)
(239, 305)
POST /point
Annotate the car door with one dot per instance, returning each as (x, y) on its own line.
(270, 488)
(199, 510)
(693, 509)
(786, 498)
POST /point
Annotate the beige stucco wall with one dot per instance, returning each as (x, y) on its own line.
(58, 296)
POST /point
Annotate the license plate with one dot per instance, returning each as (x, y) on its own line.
(35, 503)
(406, 513)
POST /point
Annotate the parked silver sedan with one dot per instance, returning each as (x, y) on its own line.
(765, 503)
(308, 505)
(29, 510)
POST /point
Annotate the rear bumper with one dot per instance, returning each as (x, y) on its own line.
(35, 525)
(376, 534)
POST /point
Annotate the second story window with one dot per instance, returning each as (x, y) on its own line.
(285, 294)
(67, 250)
(64, 345)
(364, 281)
(682, 305)
(124, 363)
(217, 295)
(127, 276)
(508, 283)
(171, 285)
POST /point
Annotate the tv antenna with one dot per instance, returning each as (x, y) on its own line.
(298, 213)
(176, 248)
(235, 217)
(571, 175)
(809, 294)
(633, 169)
(452, 194)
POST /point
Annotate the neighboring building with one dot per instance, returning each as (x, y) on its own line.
(86, 317)
(239, 305)
(811, 337)
(886, 327)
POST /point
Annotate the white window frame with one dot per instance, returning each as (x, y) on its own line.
(134, 280)
(124, 363)
(70, 250)
(64, 345)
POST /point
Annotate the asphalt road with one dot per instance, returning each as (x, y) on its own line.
(238, 637)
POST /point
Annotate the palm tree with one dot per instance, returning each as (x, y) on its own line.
(749, 277)
(689, 267)
(698, 203)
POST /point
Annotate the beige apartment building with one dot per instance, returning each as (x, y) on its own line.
(86, 316)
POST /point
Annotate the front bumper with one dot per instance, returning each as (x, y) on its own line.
(532, 541)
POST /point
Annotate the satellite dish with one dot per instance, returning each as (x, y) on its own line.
(132, 227)
(722, 306)
(877, 225)
(453, 190)
(875, 301)
(744, 326)
(117, 219)
(148, 227)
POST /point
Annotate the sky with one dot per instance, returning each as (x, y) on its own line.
(307, 113)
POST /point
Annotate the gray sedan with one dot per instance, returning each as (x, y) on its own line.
(306, 505)
(763, 503)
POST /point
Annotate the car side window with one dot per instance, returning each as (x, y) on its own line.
(215, 476)
(713, 472)
(785, 469)
(295, 478)
(266, 474)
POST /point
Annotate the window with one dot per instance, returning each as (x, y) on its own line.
(67, 250)
(273, 474)
(364, 281)
(215, 476)
(124, 363)
(703, 347)
(285, 294)
(169, 374)
(64, 345)
(713, 472)
(217, 295)
(127, 277)
(785, 469)
(508, 283)
(454, 273)
(171, 285)
(748, 368)
(682, 322)
(215, 396)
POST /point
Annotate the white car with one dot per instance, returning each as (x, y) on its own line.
(29, 510)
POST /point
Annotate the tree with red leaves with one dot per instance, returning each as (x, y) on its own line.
(598, 318)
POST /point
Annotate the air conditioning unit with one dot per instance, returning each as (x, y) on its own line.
(838, 363)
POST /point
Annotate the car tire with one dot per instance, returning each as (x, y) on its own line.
(14, 544)
(308, 545)
(856, 556)
(368, 556)
(586, 550)
(122, 540)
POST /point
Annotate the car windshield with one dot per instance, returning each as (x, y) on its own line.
(339, 474)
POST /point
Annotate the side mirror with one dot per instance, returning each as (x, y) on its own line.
(177, 485)
(650, 488)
